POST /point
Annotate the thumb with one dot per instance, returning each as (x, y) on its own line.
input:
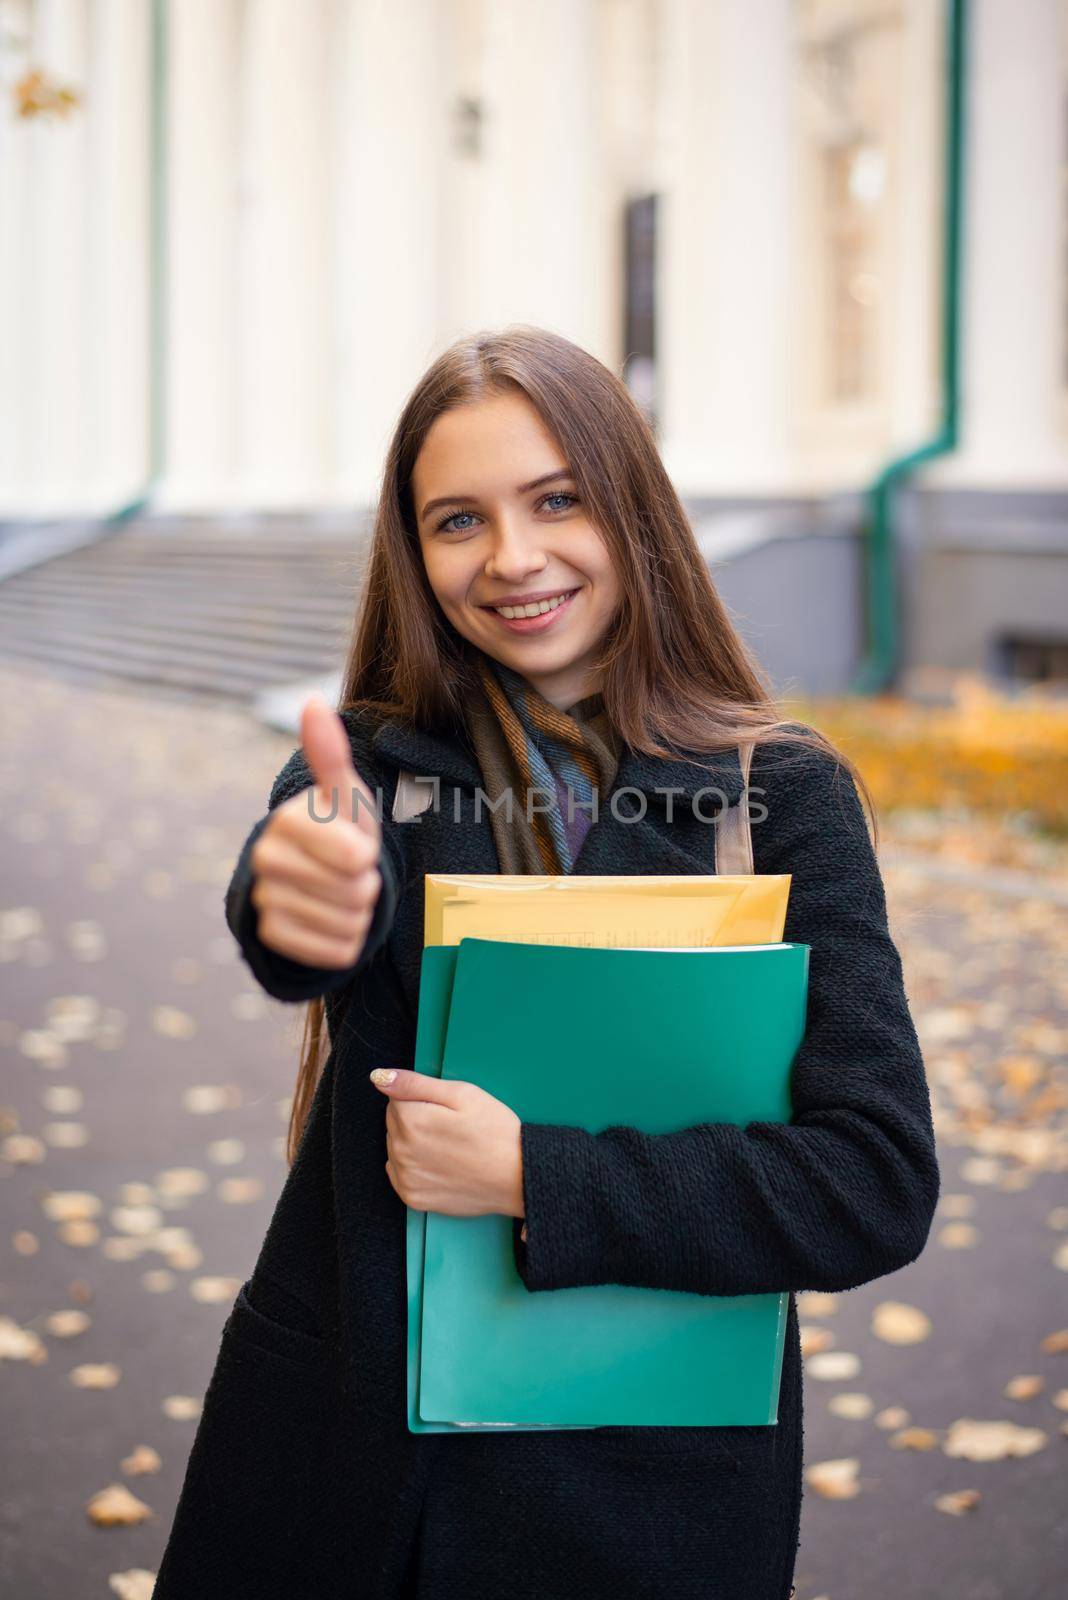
(328, 753)
(401, 1084)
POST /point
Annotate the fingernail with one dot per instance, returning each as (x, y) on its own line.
(383, 1075)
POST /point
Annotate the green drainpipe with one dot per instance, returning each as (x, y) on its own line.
(157, 272)
(879, 666)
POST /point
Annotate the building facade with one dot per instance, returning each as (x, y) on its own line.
(223, 265)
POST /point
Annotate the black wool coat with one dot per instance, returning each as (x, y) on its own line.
(304, 1480)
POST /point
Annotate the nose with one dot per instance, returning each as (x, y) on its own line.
(515, 552)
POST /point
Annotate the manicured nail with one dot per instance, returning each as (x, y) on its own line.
(383, 1075)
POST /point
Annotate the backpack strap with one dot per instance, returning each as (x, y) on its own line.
(413, 796)
(734, 841)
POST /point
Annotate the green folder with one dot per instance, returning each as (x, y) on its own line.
(592, 1037)
(435, 997)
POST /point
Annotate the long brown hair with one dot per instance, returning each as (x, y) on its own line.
(672, 667)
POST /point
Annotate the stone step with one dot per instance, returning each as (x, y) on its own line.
(192, 609)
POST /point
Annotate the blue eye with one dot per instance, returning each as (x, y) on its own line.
(464, 511)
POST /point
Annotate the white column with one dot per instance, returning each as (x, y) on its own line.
(56, 443)
(284, 300)
(15, 279)
(534, 257)
(117, 263)
(1012, 411)
(202, 295)
(727, 245)
(914, 360)
(388, 119)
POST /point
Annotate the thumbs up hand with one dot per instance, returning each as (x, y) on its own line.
(316, 878)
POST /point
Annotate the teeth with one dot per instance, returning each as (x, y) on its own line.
(534, 610)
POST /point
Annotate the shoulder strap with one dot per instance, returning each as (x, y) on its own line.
(734, 842)
(413, 796)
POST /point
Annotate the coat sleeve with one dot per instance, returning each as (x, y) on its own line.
(843, 1193)
(279, 975)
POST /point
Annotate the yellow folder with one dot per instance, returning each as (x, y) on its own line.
(610, 911)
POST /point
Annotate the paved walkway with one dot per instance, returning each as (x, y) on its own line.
(146, 1074)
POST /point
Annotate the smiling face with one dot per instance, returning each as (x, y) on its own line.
(500, 517)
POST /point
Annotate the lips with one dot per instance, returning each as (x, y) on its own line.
(538, 623)
(530, 599)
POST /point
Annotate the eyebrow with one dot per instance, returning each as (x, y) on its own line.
(523, 488)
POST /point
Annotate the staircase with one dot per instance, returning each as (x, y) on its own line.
(190, 608)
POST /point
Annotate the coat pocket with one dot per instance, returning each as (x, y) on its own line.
(262, 1473)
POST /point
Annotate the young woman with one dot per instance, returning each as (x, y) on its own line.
(521, 471)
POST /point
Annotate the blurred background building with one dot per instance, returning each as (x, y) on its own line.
(236, 231)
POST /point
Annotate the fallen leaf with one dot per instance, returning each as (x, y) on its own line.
(897, 1323)
(66, 1324)
(136, 1219)
(812, 1303)
(69, 1205)
(249, 1006)
(20, 922)
(116, 1507)
(61, 1098)
(854, 1407)
(1024, 1387)
(181, 1407)
(86, 940)
(834, 1480)
(141, 1459)
(947, 1022)
(72, 1018)
(173, 1023)
(66, 1135)
(226, 1152)
(123, 1247)
(181, 1181)
(814, 1339)
(1056, 1344)
(158, 1280)
(22, 1149)
(958, 1236)
(913, 1439)
(20, 1344)
(95, 1375)
(136, 1583)
(832, 1366)
(44, 1047)
(78, 1233)
(992, 1441)
(980, 1169)
(184, 1258)
(958, 1502)
(239, 1191)
(214, 1291)
(891, 1417)
(205, 1098)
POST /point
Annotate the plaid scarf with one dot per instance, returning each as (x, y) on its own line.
(525, 743)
